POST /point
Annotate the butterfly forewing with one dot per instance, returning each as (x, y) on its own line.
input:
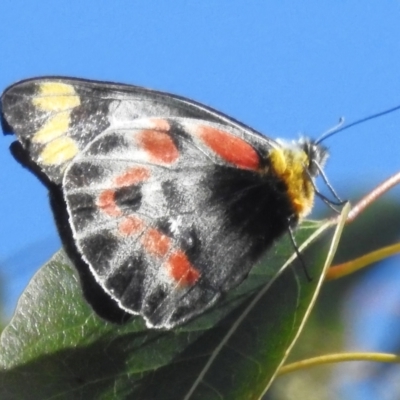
(55, 118)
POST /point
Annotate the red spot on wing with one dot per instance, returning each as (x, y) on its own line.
(158, 145)
(156, 243)
(181, 270)
(229, 147)
(106, 202)
(132, 176)
(131, 225)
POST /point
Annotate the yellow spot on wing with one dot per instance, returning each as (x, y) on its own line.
(56, 96)
(58, 151)
(53, 128)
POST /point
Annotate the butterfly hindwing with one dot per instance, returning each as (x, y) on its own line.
(148, 209)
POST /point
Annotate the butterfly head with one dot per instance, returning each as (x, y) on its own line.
(316, 154)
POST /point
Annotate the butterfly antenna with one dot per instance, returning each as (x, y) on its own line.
(331, 131)
(339, 127)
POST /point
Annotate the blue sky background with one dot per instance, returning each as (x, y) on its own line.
(284, 68)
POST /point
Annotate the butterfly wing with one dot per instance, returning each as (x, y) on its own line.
(170, 203)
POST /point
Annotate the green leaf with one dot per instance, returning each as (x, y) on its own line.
(55, 347)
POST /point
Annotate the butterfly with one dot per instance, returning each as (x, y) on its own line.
(167, 202)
